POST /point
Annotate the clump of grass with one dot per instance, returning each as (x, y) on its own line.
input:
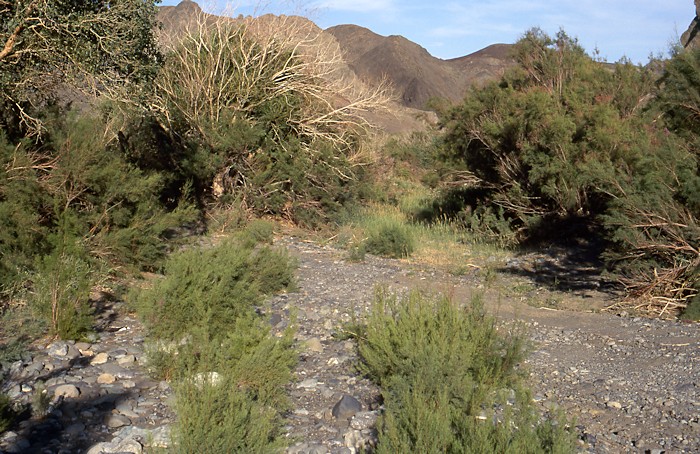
(230, 395)
(450, 380)
(61, 296)
(260, 230)
(40, 400)
(389, 237)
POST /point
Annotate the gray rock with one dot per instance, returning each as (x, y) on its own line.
(17, 446)
(309, 383)
(116, 421)
(346, 407)
(99, 448)
(58, 349)
(117, 371)
(130, 446)
(364, 420)
(75, 429)
(67, 391)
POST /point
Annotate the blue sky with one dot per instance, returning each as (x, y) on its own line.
(632, 28)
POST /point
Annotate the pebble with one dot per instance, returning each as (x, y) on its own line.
(116, 421)
(314, 344)
(106, 379)
(100, 358)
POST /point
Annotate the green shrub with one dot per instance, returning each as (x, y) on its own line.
(212, 287)
(260, 120)
(389, 237)
(8, 415)
(564, 139)
(61, 296)
(230, 395)
(229, 372)
(450, 381)
(261, 231)
(692, 311)
(75, 186)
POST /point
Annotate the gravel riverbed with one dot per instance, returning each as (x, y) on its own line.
(631, 384)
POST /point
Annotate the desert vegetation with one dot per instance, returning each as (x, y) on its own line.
(119, 146)
(450, 379)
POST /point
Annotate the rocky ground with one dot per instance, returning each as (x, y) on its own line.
(632, 384)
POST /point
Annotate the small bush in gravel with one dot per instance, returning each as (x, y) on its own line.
(212, 287)
(230, 396)
(62, 294)
(228, 371)
(450, 380)
(260, 230)
(389, 238)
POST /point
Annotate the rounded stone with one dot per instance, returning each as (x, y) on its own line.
(314, 344)
(99, 358)
(67, 391)
(106, 379)
(347, 407)
(116, 421)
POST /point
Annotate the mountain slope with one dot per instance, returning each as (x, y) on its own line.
(416, 75)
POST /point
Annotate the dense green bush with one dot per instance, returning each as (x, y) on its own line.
(563, 138)
(74, 196)
(450, 380)
(212, 287)
(239, 408)
(544, 140)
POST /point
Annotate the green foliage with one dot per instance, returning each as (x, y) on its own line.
(75, 187)
(678, 96)
(238, 408)
(562, 138)
(7, 413)
(229, 372)
(389, 237)
(212, 287)
(52, 49)
(449, 380)
(62, 294)
(692, 310)
(543, 140)
(260, 230)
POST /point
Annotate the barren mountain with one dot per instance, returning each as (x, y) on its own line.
(416, 75)
(691, 38)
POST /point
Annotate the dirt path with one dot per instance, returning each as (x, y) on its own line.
(632, 384)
